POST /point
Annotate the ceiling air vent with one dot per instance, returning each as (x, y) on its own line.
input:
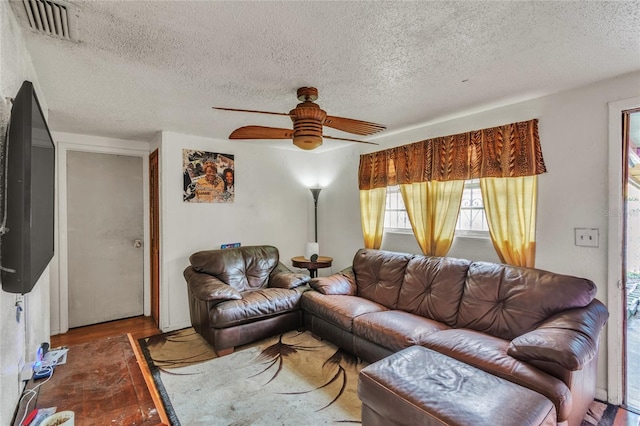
(50, 17)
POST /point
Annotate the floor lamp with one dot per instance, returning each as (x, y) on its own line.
(316, 194)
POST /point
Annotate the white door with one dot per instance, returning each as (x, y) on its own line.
(104, 237)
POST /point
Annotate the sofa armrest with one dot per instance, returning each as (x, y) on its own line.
(343, 282)
(280, 268)
(283, 277)
(569, 339)
(209, 288)
(288, 280)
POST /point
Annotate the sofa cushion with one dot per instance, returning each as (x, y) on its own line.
(254, 305)
(508, 301)
(489, 354)
(395, 330)
(243, 268)
(433, 287)
(379, 275)
(337, 309)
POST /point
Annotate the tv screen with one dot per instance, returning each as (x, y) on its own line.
(27, 235)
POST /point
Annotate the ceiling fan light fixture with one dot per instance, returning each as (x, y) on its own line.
(307, 142)
(308, 121)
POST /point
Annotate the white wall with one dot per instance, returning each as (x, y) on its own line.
(18, 340)
(573, 193)
(273, 205)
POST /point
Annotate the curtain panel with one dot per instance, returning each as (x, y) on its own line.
(372, 216)
(511, 150)
(510, 205)
(433, 209)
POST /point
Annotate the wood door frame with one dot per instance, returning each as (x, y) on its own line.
(615, 212)
(154, 229)
(82, 143)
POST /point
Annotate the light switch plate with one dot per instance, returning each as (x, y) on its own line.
(587, 237)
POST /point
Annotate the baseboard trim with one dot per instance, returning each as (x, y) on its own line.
(601, 394)
(177, 326)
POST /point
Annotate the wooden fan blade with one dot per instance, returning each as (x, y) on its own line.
(350, 125)
(261, 132)
(348, 140)
(250, 110)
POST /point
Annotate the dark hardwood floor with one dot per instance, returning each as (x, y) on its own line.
(626, 418)
(140, 327)
(105, 379)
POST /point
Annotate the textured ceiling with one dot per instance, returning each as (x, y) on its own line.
(140, 67)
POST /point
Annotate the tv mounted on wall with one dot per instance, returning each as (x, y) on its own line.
(27, 244)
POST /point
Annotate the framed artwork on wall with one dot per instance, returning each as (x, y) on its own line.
(208, 177)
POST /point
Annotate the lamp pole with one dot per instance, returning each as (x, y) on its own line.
(316, 194)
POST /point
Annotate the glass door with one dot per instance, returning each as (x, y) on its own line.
(631, 275)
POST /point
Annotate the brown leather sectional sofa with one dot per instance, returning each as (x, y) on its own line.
(535, 328)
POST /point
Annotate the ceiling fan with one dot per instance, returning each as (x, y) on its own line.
(308, 119)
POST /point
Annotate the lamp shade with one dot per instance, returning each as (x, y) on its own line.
(310, 250)
(316, 193)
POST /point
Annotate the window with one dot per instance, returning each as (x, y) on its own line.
(472, 220)
(395, 214)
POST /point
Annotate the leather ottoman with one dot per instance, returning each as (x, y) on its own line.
(418, 386)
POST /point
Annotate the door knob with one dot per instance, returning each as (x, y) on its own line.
(137, 243)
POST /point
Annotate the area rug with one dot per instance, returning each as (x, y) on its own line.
(290, 379)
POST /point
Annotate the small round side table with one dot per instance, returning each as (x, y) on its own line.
(321, 262)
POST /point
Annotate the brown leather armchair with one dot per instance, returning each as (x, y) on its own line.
(241, 295)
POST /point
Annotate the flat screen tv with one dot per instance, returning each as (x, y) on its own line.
(27, 244)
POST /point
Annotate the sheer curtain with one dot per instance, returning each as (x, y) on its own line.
(372, 204)
(433, 209)
(510, 205)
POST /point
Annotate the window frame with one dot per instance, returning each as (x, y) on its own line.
(395, 190)
(473, 233)
(462, 233)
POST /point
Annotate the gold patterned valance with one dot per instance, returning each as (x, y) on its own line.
(511, 150)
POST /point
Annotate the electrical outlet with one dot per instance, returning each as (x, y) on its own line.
(586, 237)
